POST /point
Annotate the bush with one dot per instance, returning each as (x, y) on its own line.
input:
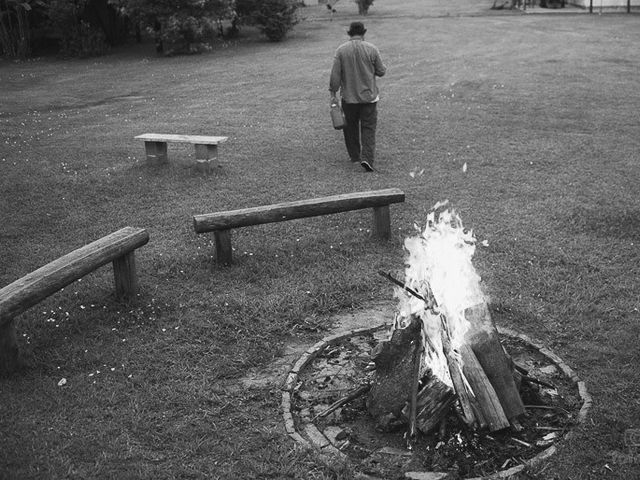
(274, 18)
(15, 31)
(77, 37)
(179, 26)
(187, 34)
(363, 6)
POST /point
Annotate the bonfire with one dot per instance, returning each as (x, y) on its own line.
(444, 353)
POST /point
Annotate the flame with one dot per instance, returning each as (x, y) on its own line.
(439, 267)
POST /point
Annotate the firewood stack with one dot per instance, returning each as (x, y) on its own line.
(444, 352)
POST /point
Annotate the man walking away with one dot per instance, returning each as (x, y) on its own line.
(355, 67)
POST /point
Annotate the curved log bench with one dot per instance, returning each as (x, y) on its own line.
(117, 247)
(221, 223)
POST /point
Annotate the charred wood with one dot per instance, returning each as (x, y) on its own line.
(394, 378)
(483, 340)
(485, 394)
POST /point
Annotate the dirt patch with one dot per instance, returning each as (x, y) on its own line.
(275, 373)
(553, 408)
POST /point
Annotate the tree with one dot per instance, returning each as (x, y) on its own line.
(78, 36)
(363, 6)
(179, 26)
(15, 31)
(274, 18)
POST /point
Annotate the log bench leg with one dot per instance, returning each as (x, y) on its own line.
(156, 152)
(126, 279)
(381, 222)
(224, 254)
(9, 358)
(205, 156)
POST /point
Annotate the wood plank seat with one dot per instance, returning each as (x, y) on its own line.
(221, 223)
(117, 247)
(155, 145)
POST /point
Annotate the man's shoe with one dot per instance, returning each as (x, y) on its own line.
(355, 160)
(366, 166)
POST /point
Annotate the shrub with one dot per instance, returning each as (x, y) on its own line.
(187, 34)
(15, 35)
(274, 18)
(179, 26)
(77, 37)
(363, 6)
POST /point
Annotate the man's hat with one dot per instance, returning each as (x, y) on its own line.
(356, 28)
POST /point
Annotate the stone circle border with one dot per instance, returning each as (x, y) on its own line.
(319, 441)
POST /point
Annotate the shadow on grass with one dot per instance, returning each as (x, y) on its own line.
(607, 222)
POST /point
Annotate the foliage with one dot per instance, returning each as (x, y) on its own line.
(15, 35)
(274, 18)
(183, 26)
(77, 37)
(363, 6)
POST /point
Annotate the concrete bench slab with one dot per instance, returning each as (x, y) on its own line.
(206, 147)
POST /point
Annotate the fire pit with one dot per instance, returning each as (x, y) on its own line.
(441, 389)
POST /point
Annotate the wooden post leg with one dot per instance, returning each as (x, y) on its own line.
(381, 222)
(8, 347)
(224, 254)
(124, 272)
(156, 152)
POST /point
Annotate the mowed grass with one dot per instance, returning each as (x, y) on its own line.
(542, 110)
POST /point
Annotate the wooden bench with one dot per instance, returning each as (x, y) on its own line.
(221, 223)
(117, 247)
(155, 145)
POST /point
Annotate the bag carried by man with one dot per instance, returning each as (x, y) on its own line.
(337, 116)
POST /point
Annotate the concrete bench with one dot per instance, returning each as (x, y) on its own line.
(117, 247)
(155, 145)
(221, 223)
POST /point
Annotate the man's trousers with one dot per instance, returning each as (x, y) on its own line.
(360, 130)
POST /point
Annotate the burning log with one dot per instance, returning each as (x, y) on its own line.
(415, 385)
(483, 339)
(394, 377)
(433, 402)
(488, 402)
(404, 392)
(468, 403)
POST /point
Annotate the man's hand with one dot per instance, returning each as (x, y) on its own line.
(333, 98)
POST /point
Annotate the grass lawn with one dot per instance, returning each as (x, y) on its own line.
(542, 109)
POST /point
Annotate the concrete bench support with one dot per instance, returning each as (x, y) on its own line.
(118, 247)
(156, 152)
(221, 223)
(206, 148)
